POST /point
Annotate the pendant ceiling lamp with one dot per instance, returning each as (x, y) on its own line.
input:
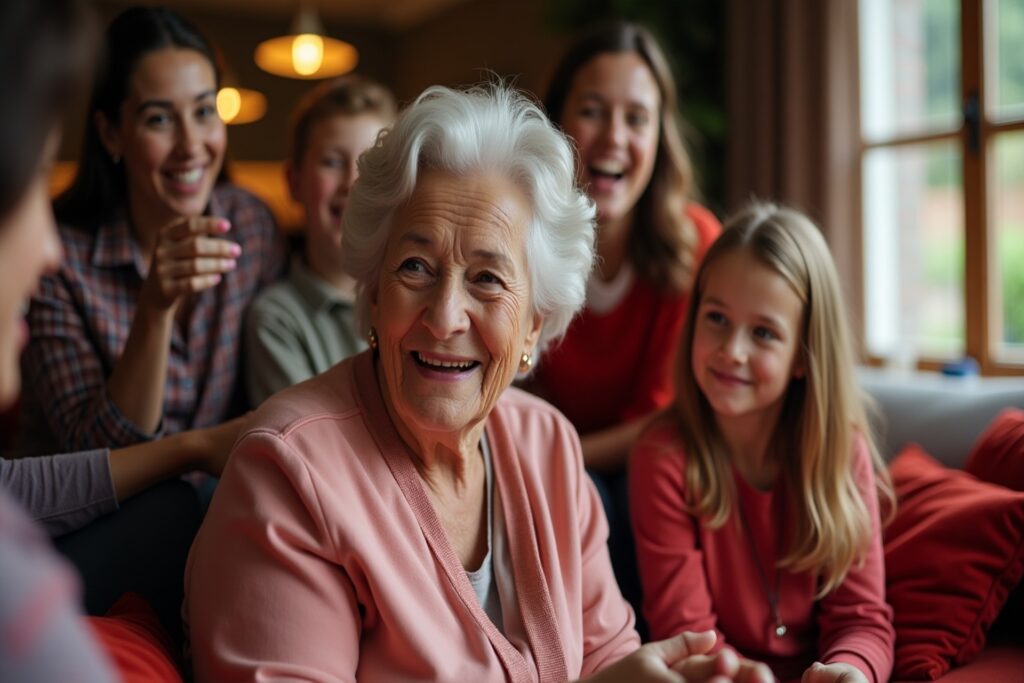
(240, 105)
(307, 52)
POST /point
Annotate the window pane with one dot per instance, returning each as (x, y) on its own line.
(1006, 275)
(914, 252)
(909, 67)
(1005, 78)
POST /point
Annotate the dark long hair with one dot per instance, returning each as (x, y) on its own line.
(43, 47)
(662, 240)
(99, 189)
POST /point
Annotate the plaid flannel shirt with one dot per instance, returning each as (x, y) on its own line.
(79, 322)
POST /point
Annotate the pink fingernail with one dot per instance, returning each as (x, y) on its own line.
(217, 279)
(236, 250)
(223, 225)
(232, 264)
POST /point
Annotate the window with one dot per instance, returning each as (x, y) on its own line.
(942, 164)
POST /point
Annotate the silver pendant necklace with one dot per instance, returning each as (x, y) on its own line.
(772, 593)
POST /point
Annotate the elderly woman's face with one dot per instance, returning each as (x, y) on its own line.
(452, 308)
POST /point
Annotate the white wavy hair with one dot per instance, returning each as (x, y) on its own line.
(487, 128)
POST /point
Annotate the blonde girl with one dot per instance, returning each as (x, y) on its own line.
(755, 500)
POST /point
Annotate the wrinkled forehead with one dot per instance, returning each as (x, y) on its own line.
(483, 213)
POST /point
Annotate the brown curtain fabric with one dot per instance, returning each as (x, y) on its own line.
(794, 125)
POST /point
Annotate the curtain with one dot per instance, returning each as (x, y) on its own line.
(793, 119)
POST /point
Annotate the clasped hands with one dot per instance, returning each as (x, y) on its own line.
(685, 659)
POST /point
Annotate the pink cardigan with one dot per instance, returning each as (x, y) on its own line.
(321, 558)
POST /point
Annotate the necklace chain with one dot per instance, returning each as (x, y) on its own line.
(772, 594)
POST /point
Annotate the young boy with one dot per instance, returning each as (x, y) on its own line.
(300, 327)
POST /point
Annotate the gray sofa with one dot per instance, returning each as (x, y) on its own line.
(945, 415)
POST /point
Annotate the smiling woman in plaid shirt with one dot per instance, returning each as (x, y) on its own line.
(137, 335)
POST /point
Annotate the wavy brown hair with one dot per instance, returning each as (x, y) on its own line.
(823, 414)
(662, 241)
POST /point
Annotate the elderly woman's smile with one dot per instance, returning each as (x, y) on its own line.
(444, 366)
(452, 308)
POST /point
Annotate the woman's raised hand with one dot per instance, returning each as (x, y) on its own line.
(189, 256)
(684, 659)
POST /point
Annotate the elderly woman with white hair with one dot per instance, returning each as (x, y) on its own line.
(407, 515)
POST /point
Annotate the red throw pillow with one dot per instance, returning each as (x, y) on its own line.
(998, 455)
(135, 642)
(952, 555)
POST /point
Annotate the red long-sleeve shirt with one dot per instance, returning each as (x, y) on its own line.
(616, 366)
(695, 578)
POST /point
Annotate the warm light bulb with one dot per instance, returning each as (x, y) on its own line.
(307, 53)
(229, 103)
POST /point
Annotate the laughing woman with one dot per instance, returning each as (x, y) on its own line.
(406, 515)
(614, 95)
(136, 335)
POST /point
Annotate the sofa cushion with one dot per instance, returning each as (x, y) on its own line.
(137, 645)
(952, 554)
(998, 456)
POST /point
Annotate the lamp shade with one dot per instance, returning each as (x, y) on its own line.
(306, 52)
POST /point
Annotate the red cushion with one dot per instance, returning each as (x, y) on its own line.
(998, 455)
(952, 555)
(136, 643)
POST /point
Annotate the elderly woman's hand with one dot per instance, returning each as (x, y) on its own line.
(189, 256)
(683, 659)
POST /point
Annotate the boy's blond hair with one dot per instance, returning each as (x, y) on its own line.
(350, 95)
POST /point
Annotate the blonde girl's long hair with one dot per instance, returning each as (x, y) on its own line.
(822, 415)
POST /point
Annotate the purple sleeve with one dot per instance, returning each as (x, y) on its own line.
(42, 636)
(61, 492)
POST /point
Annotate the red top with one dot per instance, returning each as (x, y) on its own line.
(613, 367)
(695, 578)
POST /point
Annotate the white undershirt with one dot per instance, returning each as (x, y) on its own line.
(482, 579)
